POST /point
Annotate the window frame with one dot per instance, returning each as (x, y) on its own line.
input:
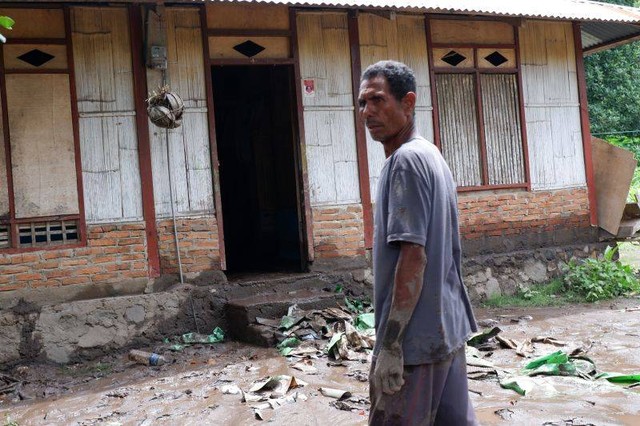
(11, 220)
(477, 71)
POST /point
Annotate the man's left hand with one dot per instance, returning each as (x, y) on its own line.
(389, 370)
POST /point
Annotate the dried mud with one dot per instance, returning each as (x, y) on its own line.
(186, 391)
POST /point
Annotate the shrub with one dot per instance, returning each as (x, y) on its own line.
(599, 279)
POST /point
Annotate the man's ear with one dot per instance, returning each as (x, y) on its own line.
(409, 102)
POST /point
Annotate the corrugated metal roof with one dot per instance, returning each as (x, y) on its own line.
(581, 10)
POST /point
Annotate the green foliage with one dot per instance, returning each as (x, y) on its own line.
(613, 86)
(600, 279)
(549, 294)
(6, 22)
(632, 144)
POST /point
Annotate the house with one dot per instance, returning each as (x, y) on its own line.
(270, 169)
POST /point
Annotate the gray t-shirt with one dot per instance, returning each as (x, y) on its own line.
(417, 203)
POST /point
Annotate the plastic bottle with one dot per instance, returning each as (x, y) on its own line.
(146, 358)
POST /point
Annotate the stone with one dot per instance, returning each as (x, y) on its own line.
(536, 271)
(492, 288)
(368, 276)
(358, 275)
(509, 286)
(135, 314)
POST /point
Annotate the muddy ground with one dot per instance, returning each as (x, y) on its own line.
(189, 389)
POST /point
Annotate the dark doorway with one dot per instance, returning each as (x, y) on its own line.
(255, 132)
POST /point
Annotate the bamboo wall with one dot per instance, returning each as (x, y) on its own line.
(329, 113)
(108, 137)
(552, 108)
(189, 159)
(401, 39)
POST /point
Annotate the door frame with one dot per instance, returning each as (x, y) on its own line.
(301, 175)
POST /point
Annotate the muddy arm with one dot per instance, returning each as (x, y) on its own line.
(407, 287)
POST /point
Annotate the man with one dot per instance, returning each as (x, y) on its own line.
(423, 314)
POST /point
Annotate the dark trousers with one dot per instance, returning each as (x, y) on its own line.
(432, 394)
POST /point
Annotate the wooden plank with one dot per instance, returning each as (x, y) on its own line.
(42, 23)
(143, 142)
(41, 130)
(584, 124)
(274, 47)
(13, 51)
(472, 32)
(613, 169)
(361, 138)
(247, 16)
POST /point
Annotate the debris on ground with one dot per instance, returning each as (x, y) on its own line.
(188, 339)
(523, 381)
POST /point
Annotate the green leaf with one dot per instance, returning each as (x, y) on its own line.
(627, 379)
(289, 342)
(521, 385)
(7, 22)
(482, 337)
(365, 321)
(558, 357)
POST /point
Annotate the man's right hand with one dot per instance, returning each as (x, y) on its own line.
(389, 370)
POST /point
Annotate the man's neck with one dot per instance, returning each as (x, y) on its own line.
(406, 134)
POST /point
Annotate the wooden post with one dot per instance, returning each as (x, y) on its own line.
(584, 124)
(144, 148)
(361, 138)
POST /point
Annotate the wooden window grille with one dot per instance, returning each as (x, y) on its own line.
(5, 239)
(480, 130)
(36, 234)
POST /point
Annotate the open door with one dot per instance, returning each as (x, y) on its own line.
(255, 133)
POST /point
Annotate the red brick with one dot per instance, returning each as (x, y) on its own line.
(59, 273)
(76, 280)
(11, 270)
(73, 262)
(29, 276)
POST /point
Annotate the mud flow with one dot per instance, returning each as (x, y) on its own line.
(205, 384)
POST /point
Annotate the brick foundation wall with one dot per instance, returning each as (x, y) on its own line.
(114, 253)
(199, 248)
(338, 231)
(504, 214)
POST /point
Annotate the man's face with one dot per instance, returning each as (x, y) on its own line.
(382, 113)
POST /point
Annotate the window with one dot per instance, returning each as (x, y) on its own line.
(477, 92)
(39, 186)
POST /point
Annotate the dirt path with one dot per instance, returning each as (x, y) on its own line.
(189, 390)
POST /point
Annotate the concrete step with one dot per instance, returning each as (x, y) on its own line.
(241, 313)
(251, 284)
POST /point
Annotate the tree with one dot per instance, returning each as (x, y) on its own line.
(613, 86)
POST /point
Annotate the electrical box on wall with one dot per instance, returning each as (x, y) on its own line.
(157, 57)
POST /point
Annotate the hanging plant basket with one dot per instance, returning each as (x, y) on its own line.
(165, 108)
